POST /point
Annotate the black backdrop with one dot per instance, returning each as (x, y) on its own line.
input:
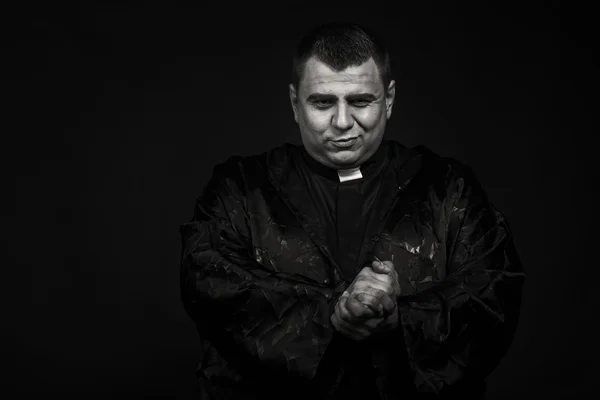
(118, 113)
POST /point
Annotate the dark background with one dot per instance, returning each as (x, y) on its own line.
(117, 113)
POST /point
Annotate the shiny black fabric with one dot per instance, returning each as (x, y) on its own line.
(260, 280)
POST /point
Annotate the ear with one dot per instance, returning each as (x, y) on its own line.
(390, 95)
(294, 100)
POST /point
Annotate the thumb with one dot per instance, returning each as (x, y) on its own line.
(382, 267)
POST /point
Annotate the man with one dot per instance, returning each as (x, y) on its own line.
(350, 267)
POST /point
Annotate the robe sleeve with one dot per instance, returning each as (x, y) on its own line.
(265, 325)
(458, 329)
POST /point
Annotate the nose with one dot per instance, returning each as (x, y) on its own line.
(342, 119)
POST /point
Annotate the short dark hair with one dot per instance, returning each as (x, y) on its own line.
(341, 45)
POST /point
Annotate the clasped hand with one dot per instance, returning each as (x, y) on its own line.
(369, 304)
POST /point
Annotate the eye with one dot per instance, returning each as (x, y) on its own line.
(360, 103)
(323, 104)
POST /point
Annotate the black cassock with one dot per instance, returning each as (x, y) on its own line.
(276, 238)
(344, 203)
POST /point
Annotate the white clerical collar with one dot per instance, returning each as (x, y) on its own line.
(349, 174)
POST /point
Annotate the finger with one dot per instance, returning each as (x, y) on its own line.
(364, 328)
(348, 330)
(379, 299)
(385, 272)
(371, 301)
(337, 324)
(373, 324)
(353, 311)
(384, 277)
(354, 331)
(339, 308)
(358, 309)
(341, 299)
(380, 281)
(342, 310)
(382, 267)
(379, 267)
(369, 286)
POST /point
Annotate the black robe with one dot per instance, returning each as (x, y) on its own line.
(344, 208)
(260, 277)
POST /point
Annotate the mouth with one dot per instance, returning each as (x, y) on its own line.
(342, 143)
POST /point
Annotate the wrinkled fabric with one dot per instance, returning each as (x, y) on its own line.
(259, 279)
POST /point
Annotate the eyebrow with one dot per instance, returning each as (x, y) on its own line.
(355, 96)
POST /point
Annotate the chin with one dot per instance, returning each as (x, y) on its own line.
(345, 159)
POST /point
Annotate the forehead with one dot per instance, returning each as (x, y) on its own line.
(320, 77)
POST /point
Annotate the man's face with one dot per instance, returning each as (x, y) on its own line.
(341, 114)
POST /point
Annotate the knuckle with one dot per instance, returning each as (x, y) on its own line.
(349, 314)
(345, 315)
(337, 309)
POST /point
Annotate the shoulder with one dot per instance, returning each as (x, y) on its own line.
(447, 176)
(447, 169)
(252, 170)
(451, 174)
